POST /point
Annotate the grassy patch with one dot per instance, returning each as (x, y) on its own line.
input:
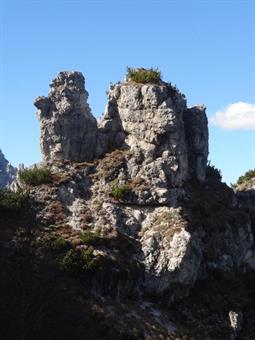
(143, 75)
(119, 192)
(35, 176)
(90, 238)
(59, 244)
(78, 261)
(12, 200)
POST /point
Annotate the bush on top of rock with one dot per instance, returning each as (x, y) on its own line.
(143, 75)
(246, 177)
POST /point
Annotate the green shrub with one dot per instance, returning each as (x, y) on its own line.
(213, 173)
(78, 261)
(118, 192)
(35, 176)
(59, 244)
(143, 75)
(90, 238)
(246, 177)
(12, 200)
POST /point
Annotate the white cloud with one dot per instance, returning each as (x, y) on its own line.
(238, 115)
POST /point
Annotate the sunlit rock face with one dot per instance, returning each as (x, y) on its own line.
(68, 129)
(7, 172)
(168, 141)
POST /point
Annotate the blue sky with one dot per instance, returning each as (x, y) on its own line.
(206, 48)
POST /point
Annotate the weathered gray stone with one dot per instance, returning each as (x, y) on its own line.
(150, 143)
(168, 141)
(7, 172)
(148, 119)
(236, 320)
(172, 255)
(68, 129)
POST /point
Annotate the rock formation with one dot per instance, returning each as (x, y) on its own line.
(154, 123)
(7, 172)
(150, 237)
(150, 146)
(168, 140)
(68, 129)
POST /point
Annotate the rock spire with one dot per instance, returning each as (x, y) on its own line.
(152, 120)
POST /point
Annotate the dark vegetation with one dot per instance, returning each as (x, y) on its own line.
(143, 75)
(210, 206)
(78, 262)
(246, 177)
(90, 238)
(10, 200)
(45, 282)
(59, 244)
(212, 299)
(39, 297)
(213, 173)
(35, 176)
(119, 191)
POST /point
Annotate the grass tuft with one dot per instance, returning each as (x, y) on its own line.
(143, 75)
(35, 176)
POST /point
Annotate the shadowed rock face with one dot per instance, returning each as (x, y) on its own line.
(68, 129)
(196, 132)
(7, 172)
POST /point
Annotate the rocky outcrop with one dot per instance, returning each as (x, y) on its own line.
(68, 129)
(245, 196)
(150, 145)
(168, 141)
(151, 120)
(154, 123)
(148, 120)
(165, 221)
(7, 172)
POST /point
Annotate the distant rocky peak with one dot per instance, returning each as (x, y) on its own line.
(7, 171)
